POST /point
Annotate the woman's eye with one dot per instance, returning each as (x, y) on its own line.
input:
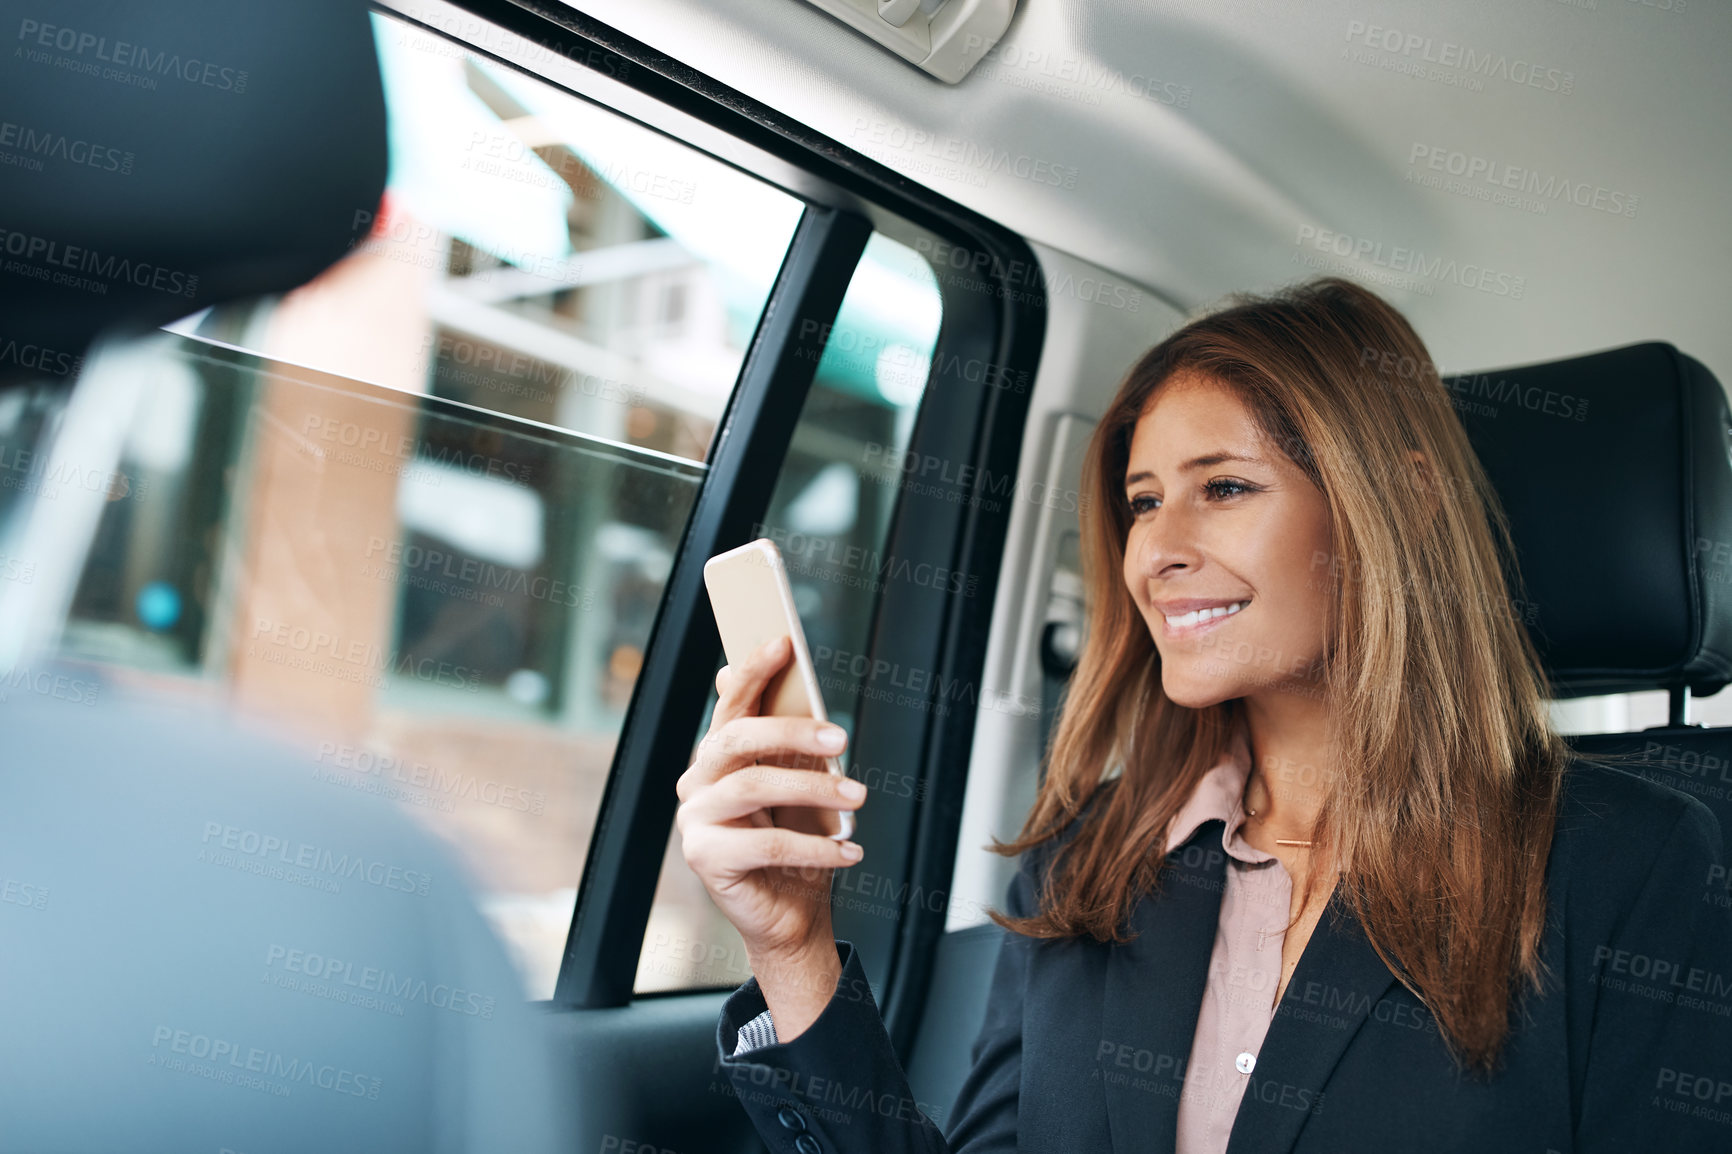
(1222, 487)
(1144, 503)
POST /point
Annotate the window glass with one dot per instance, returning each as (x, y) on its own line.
(830, 516)
(538, 255)
(418, 515)
(440, 606)
(1629, 712)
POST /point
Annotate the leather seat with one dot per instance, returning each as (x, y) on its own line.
(1615, 470)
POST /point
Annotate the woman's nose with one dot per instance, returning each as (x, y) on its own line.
(1167, 544)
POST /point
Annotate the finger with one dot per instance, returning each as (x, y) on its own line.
(726, 852)
(793, 742)
(758, 787)
(746, 683)
(689, 782)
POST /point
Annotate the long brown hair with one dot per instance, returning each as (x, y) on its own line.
(1441, 809)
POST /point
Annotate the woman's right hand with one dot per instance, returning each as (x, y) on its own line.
(771, 881)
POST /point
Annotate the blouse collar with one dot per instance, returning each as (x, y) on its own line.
(1219, 796)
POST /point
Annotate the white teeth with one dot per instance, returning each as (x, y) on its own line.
(1184, 620)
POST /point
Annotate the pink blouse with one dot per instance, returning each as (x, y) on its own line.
(1245, 967)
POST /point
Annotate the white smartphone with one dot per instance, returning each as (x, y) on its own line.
(753, 604)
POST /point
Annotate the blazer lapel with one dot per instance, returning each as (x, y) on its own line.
(1338, 980)
(1154, 994)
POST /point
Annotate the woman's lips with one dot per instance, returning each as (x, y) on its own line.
(1193, 616)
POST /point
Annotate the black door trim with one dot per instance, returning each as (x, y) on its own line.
(637, 809)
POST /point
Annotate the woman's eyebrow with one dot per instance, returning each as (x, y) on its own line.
(1203, 462)
(1216, 458)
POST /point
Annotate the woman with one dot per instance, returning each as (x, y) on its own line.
(1302, 690)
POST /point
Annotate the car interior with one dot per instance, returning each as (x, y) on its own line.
(492, 320)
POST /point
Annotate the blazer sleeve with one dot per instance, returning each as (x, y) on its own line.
(839, 1087)
(1659, 1069)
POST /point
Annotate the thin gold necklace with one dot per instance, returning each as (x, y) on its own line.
(1249, 812)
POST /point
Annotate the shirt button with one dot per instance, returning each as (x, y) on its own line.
(790, 1117)
(1245, 1062)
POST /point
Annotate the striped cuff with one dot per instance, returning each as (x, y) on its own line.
(757, 1033)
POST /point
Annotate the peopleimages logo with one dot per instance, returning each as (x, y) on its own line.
(223, 1060)
(1411, 262)
(1668, 973)
(506, 155)
(506, 370)
(1475, 62)
(364, 979)
(133, 63)
(1505, 391)
(34, 472)
(34, 146)
(45, 683)
(1041, 70)
(968, 156)
(1498, 176)
(400, 559)
(17, 569)
(350, 658)
(829, 559)
(65, 261)
(420, 775)
(368, 439)
(17, 893)
(39, 358)
(228, 845)
(488, 35)
(930, 475)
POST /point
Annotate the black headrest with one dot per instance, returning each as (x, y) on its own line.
(1616, 472)
(159, 157)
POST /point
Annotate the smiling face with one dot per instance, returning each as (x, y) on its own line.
(1223, 555)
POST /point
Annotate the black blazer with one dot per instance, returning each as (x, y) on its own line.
(1083, 1047)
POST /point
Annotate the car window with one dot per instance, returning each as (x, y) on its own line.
(417, 516)
(830, 516)
(1630, 712)
(539, 255)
